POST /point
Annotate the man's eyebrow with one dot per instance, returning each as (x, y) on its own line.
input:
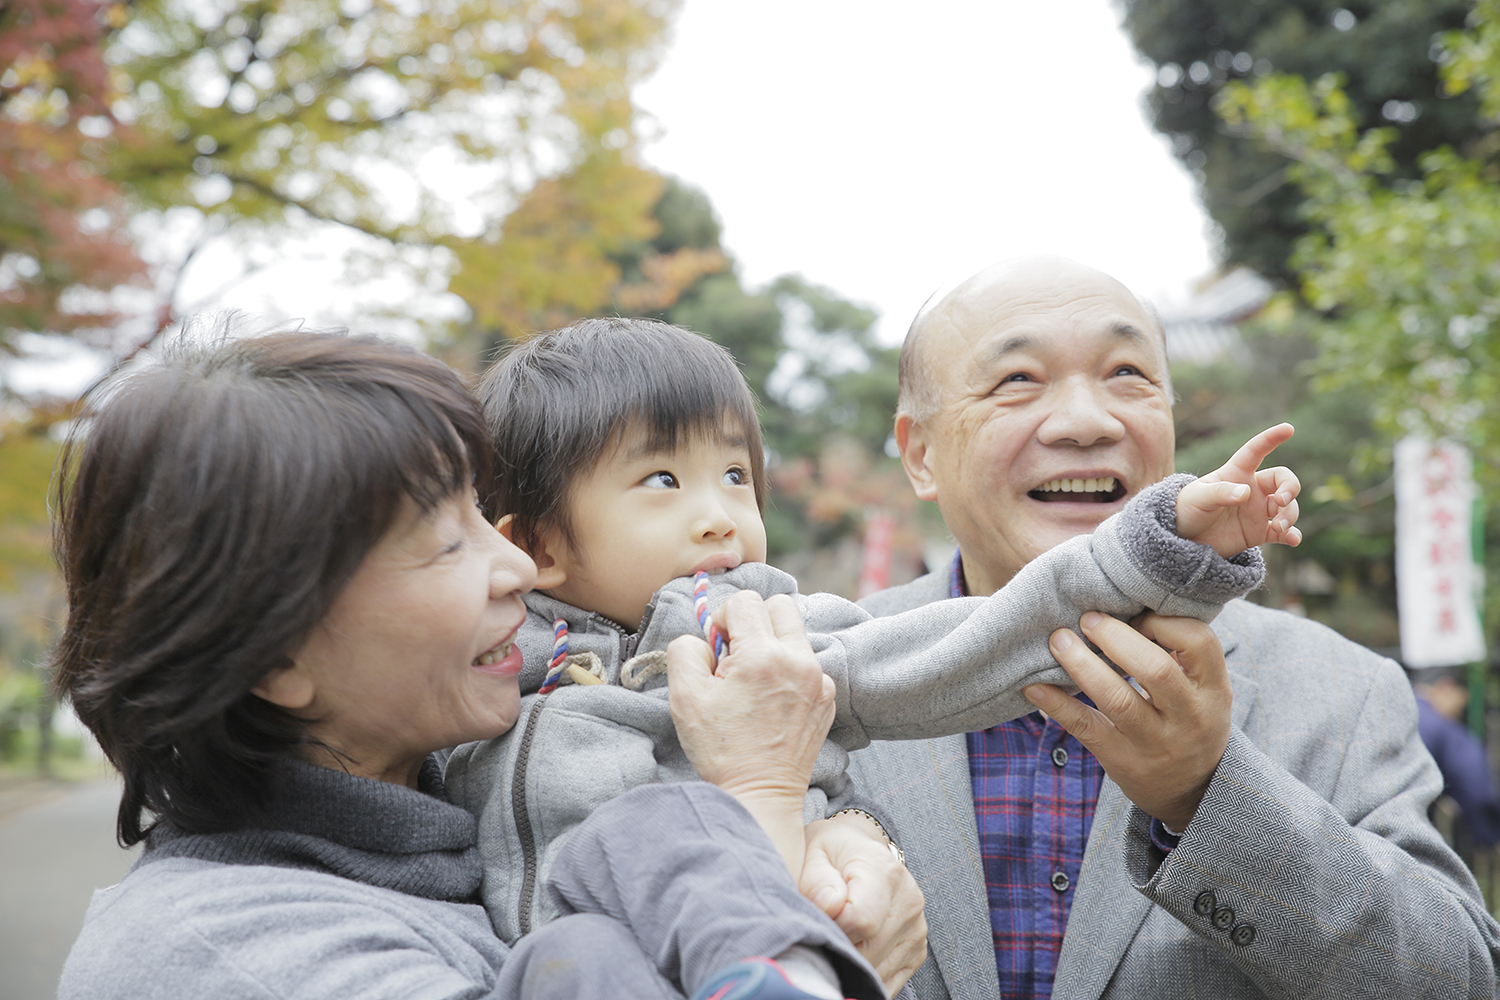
(1022, 342)
(1000, 348)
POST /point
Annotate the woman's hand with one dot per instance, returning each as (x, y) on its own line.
(753, 724)
(853, 876)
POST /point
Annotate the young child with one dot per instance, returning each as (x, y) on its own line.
(630, 460)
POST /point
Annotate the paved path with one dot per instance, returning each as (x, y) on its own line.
(56, 848)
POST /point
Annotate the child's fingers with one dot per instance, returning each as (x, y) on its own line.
(1208, 496)
(1253, 452)
(1280, 484)
(1285, 519)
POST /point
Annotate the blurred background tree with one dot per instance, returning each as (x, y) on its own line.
(63, 246)
(490, 144)
(1387, 52)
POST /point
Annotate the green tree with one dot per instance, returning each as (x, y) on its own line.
(1386, 52)
(1405, 272)
(1347, 503)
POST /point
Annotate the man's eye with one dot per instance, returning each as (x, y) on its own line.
(660, 481)
(1129, 370)
(1016, 377)
(736, 477)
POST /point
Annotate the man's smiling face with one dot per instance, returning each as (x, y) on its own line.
(1054, 407)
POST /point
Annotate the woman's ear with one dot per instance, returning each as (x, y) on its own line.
(549, 544)
(289, 686)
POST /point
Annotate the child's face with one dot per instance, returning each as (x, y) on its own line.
(642, 517)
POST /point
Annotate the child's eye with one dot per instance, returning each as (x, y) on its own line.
(736, 477)
(660, 481)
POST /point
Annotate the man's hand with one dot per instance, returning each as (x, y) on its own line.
(851, 875)
(1161, 748)
(1240, 505)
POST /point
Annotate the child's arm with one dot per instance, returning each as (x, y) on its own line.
(1240, 505)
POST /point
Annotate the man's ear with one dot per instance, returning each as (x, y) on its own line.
(549, 571)
(911, 440)
(289, 686)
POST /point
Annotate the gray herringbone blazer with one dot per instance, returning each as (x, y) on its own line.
(1314, 833)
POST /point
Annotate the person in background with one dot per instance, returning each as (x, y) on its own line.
(1247, 817)
(1467, 778)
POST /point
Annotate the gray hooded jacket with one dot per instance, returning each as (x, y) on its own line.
(951, 667)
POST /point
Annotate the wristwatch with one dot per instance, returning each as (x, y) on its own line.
(896, 852)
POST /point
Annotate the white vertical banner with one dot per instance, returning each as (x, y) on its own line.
(1437, 581)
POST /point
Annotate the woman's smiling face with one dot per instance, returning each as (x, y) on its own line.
(417, 652)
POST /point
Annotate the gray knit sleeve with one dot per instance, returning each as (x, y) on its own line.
(1142, 551)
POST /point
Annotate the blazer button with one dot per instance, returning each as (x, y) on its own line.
(1060, 757)
(1205, 903)
(1060, 881)
(1243, 934)
(1223, 918)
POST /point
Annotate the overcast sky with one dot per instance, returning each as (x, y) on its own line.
(885, 149)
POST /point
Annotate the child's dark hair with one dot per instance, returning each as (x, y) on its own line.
(559, 401)
(210, 510)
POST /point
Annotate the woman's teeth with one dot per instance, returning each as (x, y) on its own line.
(488, 657)
(1104, 484)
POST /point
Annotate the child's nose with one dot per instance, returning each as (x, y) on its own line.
(714, 521)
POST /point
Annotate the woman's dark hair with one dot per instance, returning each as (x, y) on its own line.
(556, 403)
(210, 509)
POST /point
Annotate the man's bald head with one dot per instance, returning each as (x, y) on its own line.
(978, 300)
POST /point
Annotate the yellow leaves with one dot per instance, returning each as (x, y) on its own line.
(26, 461)
(552, 263)
(1335, 489)
(667, 277)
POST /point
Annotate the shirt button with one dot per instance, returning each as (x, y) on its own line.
(1060, 757)
(1223, 918)
(1206, 903)
(1060, 881)
(1243, 935)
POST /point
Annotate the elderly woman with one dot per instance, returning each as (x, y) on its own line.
(284, 599)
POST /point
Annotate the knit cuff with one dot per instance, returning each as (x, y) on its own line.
(1177, 564)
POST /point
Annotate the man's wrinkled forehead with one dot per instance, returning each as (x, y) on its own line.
(995, 349)
(1012, 305)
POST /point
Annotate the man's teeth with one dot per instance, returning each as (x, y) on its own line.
(500, 652)
(1104, 484)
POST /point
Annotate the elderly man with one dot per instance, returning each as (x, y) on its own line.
(1253, 824)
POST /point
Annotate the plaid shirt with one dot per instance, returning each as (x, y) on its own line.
(1035, 788)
